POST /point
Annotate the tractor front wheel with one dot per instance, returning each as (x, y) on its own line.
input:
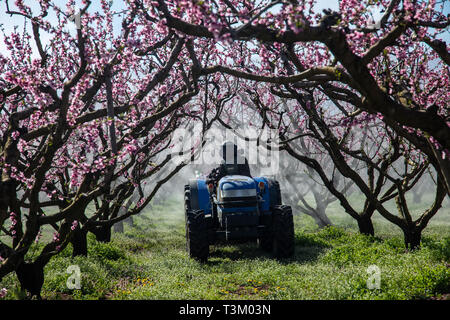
(283, 232)
(197, 235)
(265, 241)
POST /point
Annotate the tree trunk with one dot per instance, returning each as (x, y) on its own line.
(129, 221)
(31, 278)
(320, 223)
(412, 238)
(321, 218)
(365, 225)
(103, 234)
(79, 242)
(118, 227)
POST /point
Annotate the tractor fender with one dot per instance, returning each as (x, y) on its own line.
(200, 199)
(265, 206)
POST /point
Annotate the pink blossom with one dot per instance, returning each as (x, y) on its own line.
(74, 225)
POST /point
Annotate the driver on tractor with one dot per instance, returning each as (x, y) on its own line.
(234, 163)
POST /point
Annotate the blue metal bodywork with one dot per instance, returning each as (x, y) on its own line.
(265, 205)
(202, 199)
(239, 184)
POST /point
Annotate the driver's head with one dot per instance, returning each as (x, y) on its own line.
(229, 151)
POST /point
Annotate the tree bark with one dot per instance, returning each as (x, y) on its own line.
(320, 218)
(324, 220)
(412, 238)
(79, 242)
(103, 234)
(365, 225)
(129, 221)
(118, 227)
(31, 277)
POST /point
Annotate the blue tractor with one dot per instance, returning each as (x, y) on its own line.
(237, 208)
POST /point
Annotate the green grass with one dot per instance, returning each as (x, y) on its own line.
(149, 261)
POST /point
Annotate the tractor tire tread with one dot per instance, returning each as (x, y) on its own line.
(283, 232)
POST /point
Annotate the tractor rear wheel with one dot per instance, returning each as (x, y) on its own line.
(265, 242)
(283, 232)
(275, 192)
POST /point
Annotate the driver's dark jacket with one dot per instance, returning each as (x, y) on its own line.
(226, 169)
